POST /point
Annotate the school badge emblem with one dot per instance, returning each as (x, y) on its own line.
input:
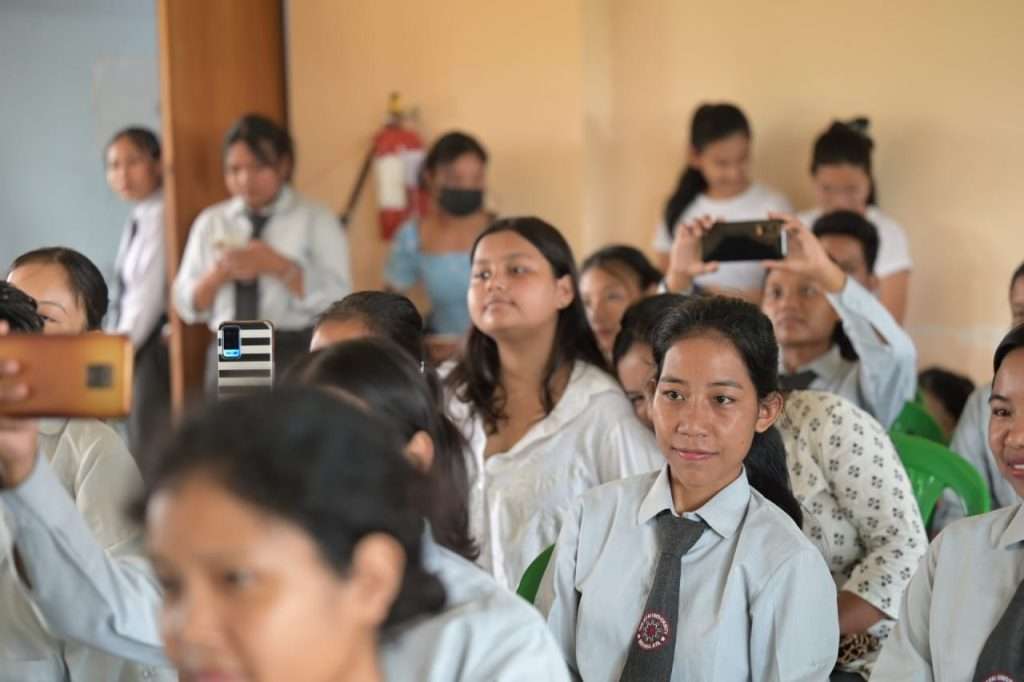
(653, 631)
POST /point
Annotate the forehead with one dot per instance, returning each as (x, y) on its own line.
(841, 174)
(842, 247)
(785, 279)
(607, 275)
(336, 331)
(503, 245)
(467, 163)
(41, 281)
(737, 144)
(705, 358)
(123, 147)
(1017, 290)
(1009, 380)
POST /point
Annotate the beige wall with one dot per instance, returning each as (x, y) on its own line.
(585, 104)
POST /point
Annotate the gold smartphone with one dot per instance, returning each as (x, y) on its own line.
(70, 375)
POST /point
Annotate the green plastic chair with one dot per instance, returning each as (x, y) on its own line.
(932, 468)
(530, 583)
(916, 420)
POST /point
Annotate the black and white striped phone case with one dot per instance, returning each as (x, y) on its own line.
(245, 357)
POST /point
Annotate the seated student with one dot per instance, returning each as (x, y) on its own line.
(970, 440)
(281, 556)
(134, 173)
(371, 313)
(860, 508)
(610, 280)
(945, 395)
(77, 597)
(692, 572)
(434, 250)
(544, 419)
(963, 613)
(716, 181)
(484, 631)
(267, 253)
(843, 181)
(834, 335)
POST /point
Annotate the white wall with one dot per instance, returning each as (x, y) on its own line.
(74, 71)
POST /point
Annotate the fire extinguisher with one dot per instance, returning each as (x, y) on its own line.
(395, 156)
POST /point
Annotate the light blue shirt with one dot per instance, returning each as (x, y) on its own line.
(445, 275)
(756, 601)
(955, 599)
(484, 634)
(885, 376)
(970, 441)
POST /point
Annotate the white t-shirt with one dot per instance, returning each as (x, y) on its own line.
(893, 248)
(753, 204)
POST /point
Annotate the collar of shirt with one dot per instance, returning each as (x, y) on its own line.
(1014, 533)
(52, 426)
(585, 381)
(285, 198)
(830, 364)
(147, 205)
(723, 513)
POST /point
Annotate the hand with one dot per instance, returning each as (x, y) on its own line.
(19, 438)
(252, 260)
(685, 257)
(806, 256)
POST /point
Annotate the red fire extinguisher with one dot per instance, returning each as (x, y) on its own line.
(395, 156)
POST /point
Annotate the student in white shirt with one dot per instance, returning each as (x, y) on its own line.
(970, 440)
(484, 632)
(77, 598)
(716, 182)
(267, 253)
(755, 600)
(611, 279)
(859, 508)
(284, 530)
(139, 310)
(843, 180)
(963, 612)
(544, 419)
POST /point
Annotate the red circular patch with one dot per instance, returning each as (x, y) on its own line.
(653, 631)
(999, 678)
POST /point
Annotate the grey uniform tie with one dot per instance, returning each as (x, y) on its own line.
(1002, 657)
(654, 644)
(247, 294)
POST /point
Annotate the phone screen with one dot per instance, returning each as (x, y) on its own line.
(232, 337)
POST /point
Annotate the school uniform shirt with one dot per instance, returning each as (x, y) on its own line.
(893, 246)
(753, 204)
(484, 633)
(885, 376)
(93, 602)
(517, 498)
(298, 229)
(756, 600)
(959, 593)
(859, 506)
(970, 441)
(142, 271)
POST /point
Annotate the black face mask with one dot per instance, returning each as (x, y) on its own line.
(461, 202)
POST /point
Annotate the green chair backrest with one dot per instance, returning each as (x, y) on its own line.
(915, 420)
(530, 583)
(932, 468)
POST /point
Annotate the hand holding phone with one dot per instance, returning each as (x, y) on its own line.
(685, 262)
(19, 438)
(66, 375)
(806, 257)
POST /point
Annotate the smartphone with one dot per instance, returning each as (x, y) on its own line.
(71, 375)
(751, 240)
(245, 357)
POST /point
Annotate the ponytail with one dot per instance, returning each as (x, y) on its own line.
(768, 474)
(711, 123)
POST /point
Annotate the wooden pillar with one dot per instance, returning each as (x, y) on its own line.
(218, 60)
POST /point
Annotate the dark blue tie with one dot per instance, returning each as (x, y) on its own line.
(247, 294)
